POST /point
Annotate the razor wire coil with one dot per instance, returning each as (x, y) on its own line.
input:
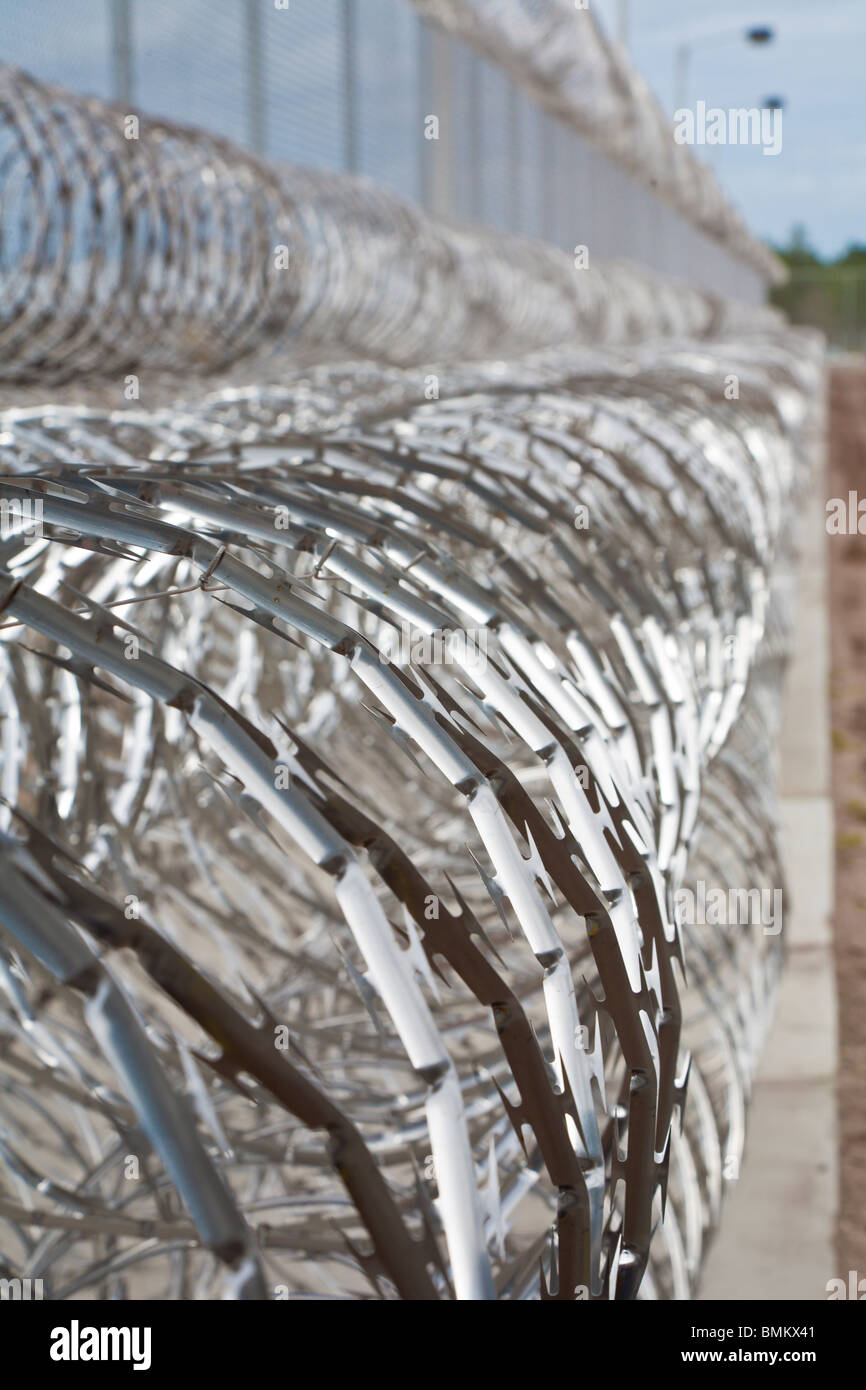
(357, 745)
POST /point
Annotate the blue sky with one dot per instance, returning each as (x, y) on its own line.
(189, 67)
(816, 63)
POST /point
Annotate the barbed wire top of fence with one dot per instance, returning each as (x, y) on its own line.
(131, 241)
(558, 52)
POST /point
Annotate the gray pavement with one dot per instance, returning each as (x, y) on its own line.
(778, 1222)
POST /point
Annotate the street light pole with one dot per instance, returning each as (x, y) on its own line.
(682, 63)
(758, 35)
(622, 18)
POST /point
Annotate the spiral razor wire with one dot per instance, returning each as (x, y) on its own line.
(363, 732)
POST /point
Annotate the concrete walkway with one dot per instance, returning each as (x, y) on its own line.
(778, 1222)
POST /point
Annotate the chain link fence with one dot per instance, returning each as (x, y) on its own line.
(540, 129)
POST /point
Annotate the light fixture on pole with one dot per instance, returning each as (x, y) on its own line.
(759, 35)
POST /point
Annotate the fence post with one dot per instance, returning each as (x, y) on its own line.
(513, 146)
(436, 88)
(255, 78)
(473, 135)
(546, 135)
(121, 51)
(349, 34)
